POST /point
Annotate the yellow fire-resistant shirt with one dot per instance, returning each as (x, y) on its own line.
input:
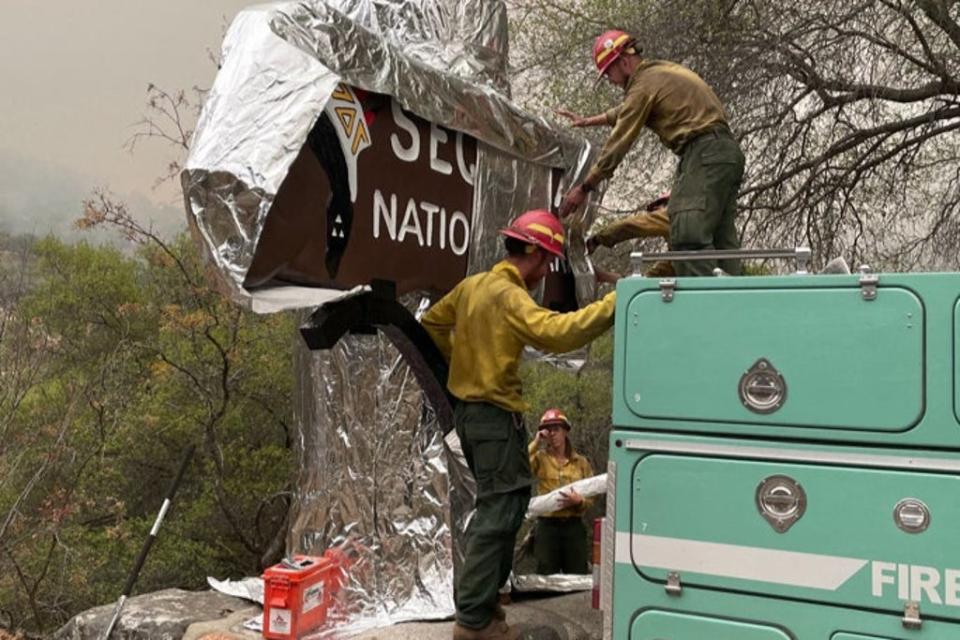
(482, 325)
(668, 98)
(551, 475)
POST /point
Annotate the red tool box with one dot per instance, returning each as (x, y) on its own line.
(299, 592)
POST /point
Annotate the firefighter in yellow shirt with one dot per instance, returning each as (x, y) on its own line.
(482, 327)
(560, 541)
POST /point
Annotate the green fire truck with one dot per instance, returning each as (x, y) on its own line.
(785, 457)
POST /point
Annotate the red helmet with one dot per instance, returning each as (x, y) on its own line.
(539, 228)
(554, 416)
(609, 46)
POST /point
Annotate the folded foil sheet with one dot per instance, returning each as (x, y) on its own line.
(549, 502)
(556, 583)
(247, 588)
(377, 478)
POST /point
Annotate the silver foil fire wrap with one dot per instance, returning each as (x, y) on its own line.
(373, 483)
(377, 479)
(443, 60)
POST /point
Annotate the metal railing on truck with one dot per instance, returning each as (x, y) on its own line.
(801, 254)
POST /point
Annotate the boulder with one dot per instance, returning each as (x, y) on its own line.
(163, 615)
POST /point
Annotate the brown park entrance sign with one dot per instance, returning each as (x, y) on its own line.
(376, 193)
(379, 193)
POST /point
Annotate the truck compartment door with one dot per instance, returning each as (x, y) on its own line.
(792, 359)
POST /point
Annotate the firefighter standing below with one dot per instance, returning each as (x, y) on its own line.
(560, 541)
(688, 118)
(482, 326)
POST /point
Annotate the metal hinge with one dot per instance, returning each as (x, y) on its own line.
(868, 283)
(911, 615)
(674, 588)
(868, 286)
(667, 289)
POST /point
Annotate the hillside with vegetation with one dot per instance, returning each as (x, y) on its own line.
(111, 365)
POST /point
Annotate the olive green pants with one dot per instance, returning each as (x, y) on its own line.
(703, 204)
(560, 546)
(494, 443)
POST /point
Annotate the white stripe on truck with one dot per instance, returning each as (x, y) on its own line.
(792, 568)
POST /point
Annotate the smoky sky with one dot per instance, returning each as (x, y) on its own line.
(73, 85)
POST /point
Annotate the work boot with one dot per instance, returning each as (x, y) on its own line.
(496, 630)
(499, 613)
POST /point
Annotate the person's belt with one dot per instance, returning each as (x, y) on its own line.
(721, 130)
